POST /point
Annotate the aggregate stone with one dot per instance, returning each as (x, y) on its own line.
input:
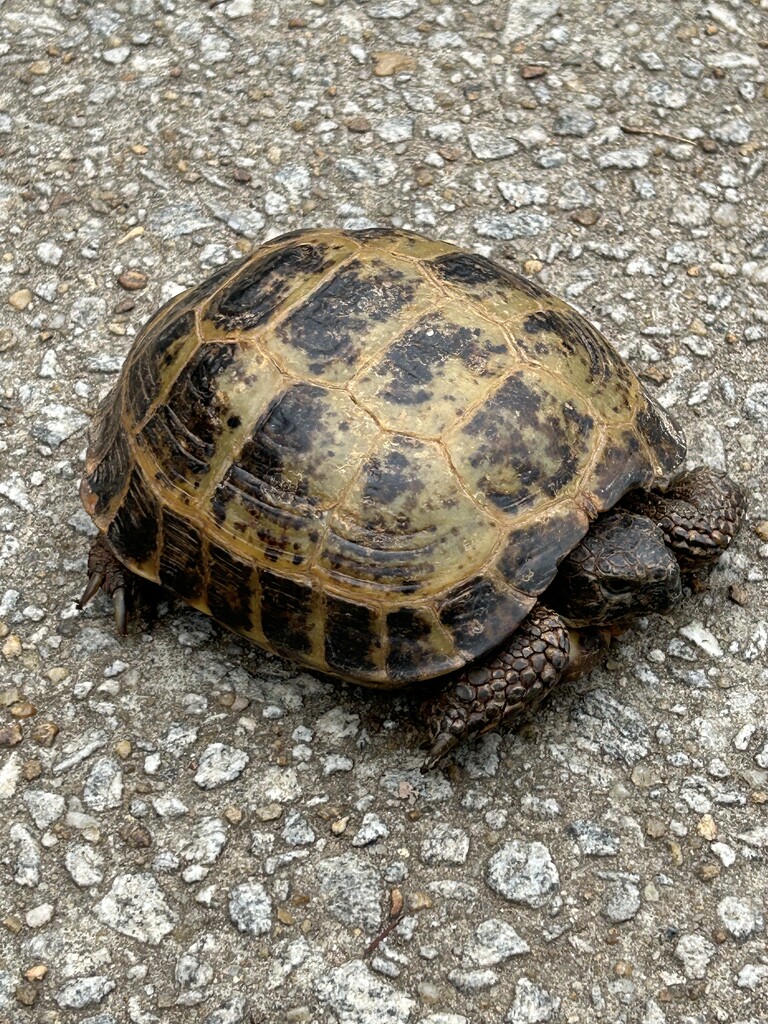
(104, 786)
(624, 159)
(136, 906)
(445, 845)
(220, 764)
(39, 915)
(250, 907)
(497, 941)
(694, 951)
(532, 1004)
(371, 829)
(351, 890)
(208, 839)
(472, 981)
(44, 807)
(573, 121)
(691, 212)
(82, 992)
(593, 839)
(622, 901)
(741, 918)
(491, 145)
(356, 996)
(513, 225)
(752, 976)
(57, 424)
(297, 830)
(524, 873)
(85, 864)
(26, 856)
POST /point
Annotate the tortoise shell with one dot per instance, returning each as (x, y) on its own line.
(366, 450)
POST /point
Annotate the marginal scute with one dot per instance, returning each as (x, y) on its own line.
(415, 637)
(367, 450)
(133, 533)
(533, 551)
(148, 366)
(181, 566)
(664, 438)
(289, 616)
(479, 610)
(352, 636)
(231, 583)
(108, 463)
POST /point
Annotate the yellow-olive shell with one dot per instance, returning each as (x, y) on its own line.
(366, 450)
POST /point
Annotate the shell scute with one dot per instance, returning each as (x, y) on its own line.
(426, 380)
(528, 441)
(277, 492)
(406, 525)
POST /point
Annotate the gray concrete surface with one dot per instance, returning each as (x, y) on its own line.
(191, 830)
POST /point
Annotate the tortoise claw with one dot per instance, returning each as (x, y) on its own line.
(121, 615)
(444, 742)
(92, 588)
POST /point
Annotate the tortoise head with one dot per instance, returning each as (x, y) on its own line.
(622, 568)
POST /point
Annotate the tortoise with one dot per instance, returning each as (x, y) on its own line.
(397, 463)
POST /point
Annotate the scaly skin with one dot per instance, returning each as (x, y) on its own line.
(699, 515)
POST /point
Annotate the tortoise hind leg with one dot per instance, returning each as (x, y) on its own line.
(699, 515)
(499, 689)
(107, 573)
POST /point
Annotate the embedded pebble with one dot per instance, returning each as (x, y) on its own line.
(524, 873)
(356, 996)
(741, 918)
(594, 840)
(82, 992)
(622, 901)
(208, 839)
(371, 829)
(136, 906)
(85, 864)
(104, 786)
(250, 908)
(497, 941)
(351, 890)
(532, 1004)
(446, 845)
(45, 807)
(752, 976)
(694, 952)
(220, 764)
(25, 856)
(40, 915)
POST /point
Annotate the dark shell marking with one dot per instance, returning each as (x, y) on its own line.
(368, 451)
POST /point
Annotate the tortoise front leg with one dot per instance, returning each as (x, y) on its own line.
(699, 515)
(107, 572)
(499, 689)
